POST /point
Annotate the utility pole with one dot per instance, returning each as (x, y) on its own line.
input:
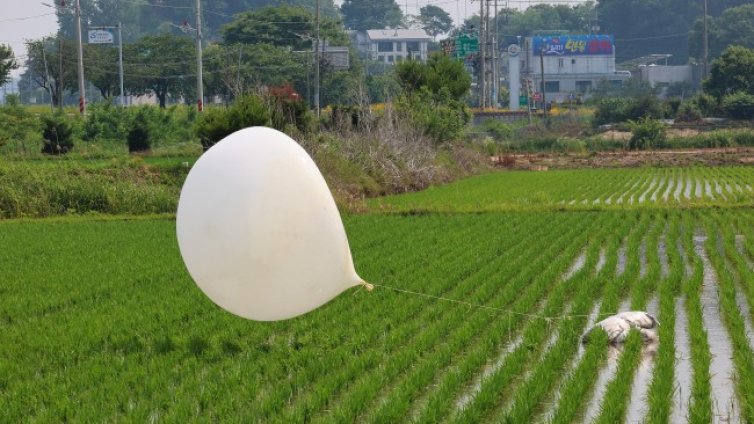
(199, 79)
(706, 43)
(542, 69)
(495, 62)
(316, 59)
(59, 87)
(482, 54)
(47, 75)
(82, 94)
(238, 71)
(120, 64)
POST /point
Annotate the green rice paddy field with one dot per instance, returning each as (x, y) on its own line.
(100, 322)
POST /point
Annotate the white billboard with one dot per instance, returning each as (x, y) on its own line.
(101, 36)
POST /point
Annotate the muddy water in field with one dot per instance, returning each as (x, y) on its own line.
(668, 189)
(687, 268)
(643, 259)
(743, 304)
(725, 404)
(637, 406)
(646, 192)
(601, 261)
(600, 386)
(471, 391)
(719, 191)
(740, 240)
(698, 189)
(551, 406)
(577, 266)
(662, 252)
(604, 376)
(683, 369)
(687, 189)
(623, 195)
(678, 189)
(621, 265)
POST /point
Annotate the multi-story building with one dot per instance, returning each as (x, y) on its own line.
(392, 45)
(573, 64)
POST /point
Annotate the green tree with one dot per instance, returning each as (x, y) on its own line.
(362, 15)
(156, 17)
(731, 72)
(432, 95)
(649, 26)
(164, 65)
(734, 27)
(575, 19)
(43, 66)
(7, 63)
(440, 73)
(281, 26)
(102, 70)
(435, 20)
(233, 70)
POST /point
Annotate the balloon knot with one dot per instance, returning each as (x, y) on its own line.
(367, 286)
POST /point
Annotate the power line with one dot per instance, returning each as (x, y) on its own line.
(655, 37)
(25, 18)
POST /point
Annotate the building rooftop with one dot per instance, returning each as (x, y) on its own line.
(397, 34)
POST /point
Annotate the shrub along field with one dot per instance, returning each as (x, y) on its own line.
(101, 322)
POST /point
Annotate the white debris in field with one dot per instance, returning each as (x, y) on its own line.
(619, 325)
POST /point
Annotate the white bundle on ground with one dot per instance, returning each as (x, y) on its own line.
(618, 326)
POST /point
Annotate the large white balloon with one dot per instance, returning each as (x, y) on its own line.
(259, 230)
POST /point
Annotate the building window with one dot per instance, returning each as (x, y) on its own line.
(552, 86)
(413, 46)
(398, 58)
(390, 58)
(399, 46)
(381, 58)
(583, 86)
(573, 61)
(560, 63)
(385, 46)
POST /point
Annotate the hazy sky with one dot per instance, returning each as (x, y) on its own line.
(14, 30)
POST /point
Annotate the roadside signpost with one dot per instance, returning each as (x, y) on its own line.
(466, 45)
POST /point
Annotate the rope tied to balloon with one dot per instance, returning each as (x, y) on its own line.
(261, 235)
(549, 318)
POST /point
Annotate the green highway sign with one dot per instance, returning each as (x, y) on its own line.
(466, 44)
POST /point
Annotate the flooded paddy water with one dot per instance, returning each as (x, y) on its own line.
(725, 403)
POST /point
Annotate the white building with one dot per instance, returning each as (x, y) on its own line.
(573, 64)
(664, 75)
(393, 45)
